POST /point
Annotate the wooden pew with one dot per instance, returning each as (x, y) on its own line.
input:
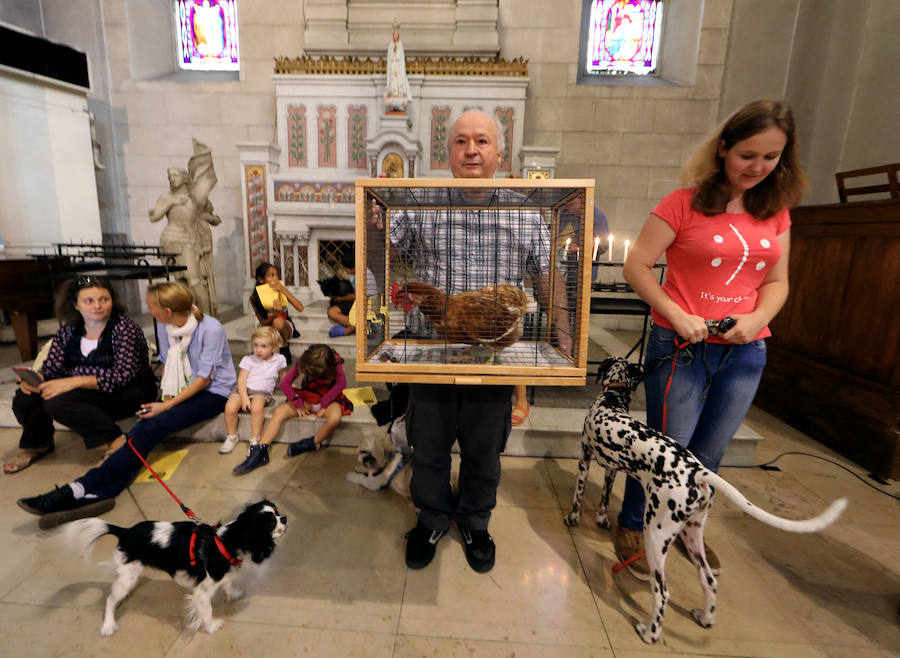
(834, 359)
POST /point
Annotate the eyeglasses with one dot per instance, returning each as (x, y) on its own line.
(88, 281)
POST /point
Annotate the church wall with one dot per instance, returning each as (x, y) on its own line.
(632, 140)
(832, 62)
(156, 119)
(872, 137)
(25, 14)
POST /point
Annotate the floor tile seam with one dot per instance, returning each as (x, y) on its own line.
(590, 587)
(556, 493)
(178, 636)
(137, 504)
(400, 611)
(501, 642)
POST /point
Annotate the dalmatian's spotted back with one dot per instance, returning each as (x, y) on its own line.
(679, 489)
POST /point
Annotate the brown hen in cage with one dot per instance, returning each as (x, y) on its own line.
(490, 317)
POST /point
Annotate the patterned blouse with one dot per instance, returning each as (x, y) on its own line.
(119, 359)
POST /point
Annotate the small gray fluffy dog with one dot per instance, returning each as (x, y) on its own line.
(384, 460)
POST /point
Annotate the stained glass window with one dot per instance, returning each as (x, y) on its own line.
(623, 36)
(207, 35)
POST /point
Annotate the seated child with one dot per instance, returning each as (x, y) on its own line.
(320, 394)
(340, 306)
(275, 315)
(257, 376)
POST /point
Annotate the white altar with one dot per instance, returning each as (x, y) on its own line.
(333, 127)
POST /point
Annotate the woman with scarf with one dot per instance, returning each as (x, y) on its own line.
(198, 377)
(95, 373)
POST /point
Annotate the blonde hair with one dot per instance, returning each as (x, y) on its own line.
(176, 296)
(270, 334)
(782, 188)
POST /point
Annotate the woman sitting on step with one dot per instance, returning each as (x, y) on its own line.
(96, 373)
(198, 376)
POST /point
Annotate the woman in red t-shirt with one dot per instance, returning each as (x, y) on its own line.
(726, 240)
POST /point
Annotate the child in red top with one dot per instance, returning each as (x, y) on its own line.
(726, 241)
(320, 394)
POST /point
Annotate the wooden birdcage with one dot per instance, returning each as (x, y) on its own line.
(473, 281)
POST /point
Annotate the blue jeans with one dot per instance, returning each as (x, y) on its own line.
(706, 405)
(111, 477)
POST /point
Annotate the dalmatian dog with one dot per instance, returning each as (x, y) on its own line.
(384, 460)
(679, 489)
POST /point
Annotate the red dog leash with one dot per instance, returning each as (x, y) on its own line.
(616, 568)
(184, 508)
(192, 547)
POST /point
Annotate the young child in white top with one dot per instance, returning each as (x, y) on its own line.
(258, 374)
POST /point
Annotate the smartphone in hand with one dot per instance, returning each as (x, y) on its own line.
(28, 375)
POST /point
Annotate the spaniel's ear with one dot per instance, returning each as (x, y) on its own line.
(259, 541)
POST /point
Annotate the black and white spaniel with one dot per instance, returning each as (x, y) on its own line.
(201, 557)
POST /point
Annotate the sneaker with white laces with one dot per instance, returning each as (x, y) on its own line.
(229, 444)
(479, 547)
(421, 544)
(60, 506)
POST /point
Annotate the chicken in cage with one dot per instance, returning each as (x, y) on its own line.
(473, 281)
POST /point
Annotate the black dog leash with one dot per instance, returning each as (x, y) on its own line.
(714, 327)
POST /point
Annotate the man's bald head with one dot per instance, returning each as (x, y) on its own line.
(474, 145)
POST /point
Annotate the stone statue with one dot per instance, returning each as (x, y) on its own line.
(396, 91)
(187, 233)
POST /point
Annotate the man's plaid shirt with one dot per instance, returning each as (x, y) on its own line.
(459, 250)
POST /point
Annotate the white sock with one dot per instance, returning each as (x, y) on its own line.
(230, 436)
(78, 491)
(254, 440)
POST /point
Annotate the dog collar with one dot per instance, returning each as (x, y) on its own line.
(192, 548)
(616, 385)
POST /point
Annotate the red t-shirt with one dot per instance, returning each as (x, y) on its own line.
(717, 264)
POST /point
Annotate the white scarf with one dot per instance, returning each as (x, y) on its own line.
(177, 373)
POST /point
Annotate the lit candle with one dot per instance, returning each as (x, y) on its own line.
(596, 248)
(610, 246)
(625, 257)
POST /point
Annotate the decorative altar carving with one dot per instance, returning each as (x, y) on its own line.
(468, 66)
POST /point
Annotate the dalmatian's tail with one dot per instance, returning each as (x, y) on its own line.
(814, 524)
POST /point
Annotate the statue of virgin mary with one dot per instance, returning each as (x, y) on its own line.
(396, 92)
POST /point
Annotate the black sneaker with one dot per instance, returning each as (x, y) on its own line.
(258, 456)
(479, 547)
(301, 446)
(60, 506)
(421, 544)
(61, 498)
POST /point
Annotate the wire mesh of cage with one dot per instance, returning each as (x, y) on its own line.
(474, 278)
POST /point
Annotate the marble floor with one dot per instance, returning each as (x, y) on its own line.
(337, 584)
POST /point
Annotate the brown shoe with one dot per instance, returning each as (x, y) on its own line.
(629, 543)
(712, 559)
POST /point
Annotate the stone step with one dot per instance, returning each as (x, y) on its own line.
(547, 432)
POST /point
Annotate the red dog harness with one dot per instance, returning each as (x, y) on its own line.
(192, 548)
